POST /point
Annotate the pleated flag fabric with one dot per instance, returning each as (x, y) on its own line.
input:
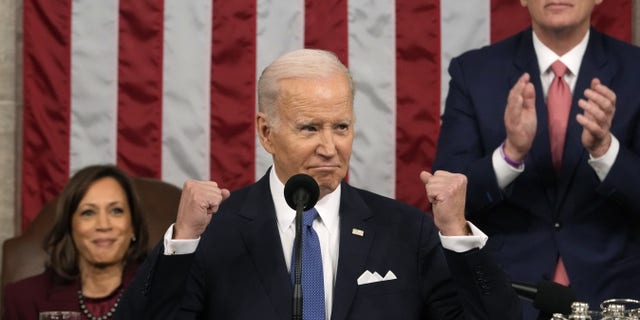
(166, 88)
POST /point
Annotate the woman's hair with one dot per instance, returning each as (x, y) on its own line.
(303, 63)
(59, 244)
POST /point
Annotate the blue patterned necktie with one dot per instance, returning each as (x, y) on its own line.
(312, 276)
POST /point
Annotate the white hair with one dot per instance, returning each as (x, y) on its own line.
(303, 63)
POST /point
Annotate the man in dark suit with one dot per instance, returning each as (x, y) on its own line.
(381, 259)
(558, 203)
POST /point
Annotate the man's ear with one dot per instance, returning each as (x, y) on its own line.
(264, 132)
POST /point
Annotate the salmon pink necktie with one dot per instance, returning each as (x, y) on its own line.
(558, 106)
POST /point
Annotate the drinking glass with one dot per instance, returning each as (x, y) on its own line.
(59, 315)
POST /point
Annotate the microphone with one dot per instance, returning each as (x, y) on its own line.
(548, 297)
(301, 190)
(301, 193)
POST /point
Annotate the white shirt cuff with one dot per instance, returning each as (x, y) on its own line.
(602, 165)
(505, 173)
(178, 246)
(477, 239)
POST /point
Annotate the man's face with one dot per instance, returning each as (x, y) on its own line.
(560, 15)
(314, 130)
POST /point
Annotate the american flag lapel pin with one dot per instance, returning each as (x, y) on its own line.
(357, 232)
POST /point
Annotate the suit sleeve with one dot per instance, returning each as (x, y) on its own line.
(438, 290)
(621, 183)
(481, 280)
(465, 285)
(159, 289)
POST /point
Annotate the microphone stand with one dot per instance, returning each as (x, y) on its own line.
(301, 192)
(297, 285)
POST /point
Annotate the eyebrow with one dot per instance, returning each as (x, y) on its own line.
(91, 204)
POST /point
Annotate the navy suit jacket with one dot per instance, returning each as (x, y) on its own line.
(593, 225)
(238, 270)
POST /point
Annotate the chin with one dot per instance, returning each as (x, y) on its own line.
(107, 263)
(328, 187)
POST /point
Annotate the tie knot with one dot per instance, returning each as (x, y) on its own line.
(308, 216)
(558, 68)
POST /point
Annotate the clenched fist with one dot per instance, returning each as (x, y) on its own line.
(447, 192)
(199, 201)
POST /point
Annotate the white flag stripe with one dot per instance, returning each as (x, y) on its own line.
(186, 106)
(280, 28)
(464, 26)
(94, 83)
(372, 58)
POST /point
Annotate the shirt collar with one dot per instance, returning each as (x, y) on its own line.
(571, 59)
(327, 207)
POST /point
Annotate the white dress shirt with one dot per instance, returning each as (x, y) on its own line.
(327, 226)
(505, 173)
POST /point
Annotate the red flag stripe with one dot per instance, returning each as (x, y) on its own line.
(507, 18)
(233, 93)
(47, 87)
(418, 94)
(326, 27)
(614, 18)
(140, 87)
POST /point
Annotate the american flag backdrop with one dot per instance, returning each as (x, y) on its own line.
(166, 88)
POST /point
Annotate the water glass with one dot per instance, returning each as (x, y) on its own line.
(59, 315)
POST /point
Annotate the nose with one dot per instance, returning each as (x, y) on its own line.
(326, 146)
(102, 221)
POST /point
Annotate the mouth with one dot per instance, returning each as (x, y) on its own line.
(103, 242)
(558, 5)
(326, 167)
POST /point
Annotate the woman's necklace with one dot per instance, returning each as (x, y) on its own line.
(89, 315)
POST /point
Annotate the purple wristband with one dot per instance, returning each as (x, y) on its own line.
(511, 162)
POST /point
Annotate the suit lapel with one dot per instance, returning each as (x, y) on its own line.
(354, 249)
(262, 240)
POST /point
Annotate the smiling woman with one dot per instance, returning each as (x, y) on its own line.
(96, 243)
(101, 225)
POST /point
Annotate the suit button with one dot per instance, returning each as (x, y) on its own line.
(557, 225)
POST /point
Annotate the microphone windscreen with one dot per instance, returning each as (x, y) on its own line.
(301, 183)
(554, 298)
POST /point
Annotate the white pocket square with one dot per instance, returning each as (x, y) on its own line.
(369, 277)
